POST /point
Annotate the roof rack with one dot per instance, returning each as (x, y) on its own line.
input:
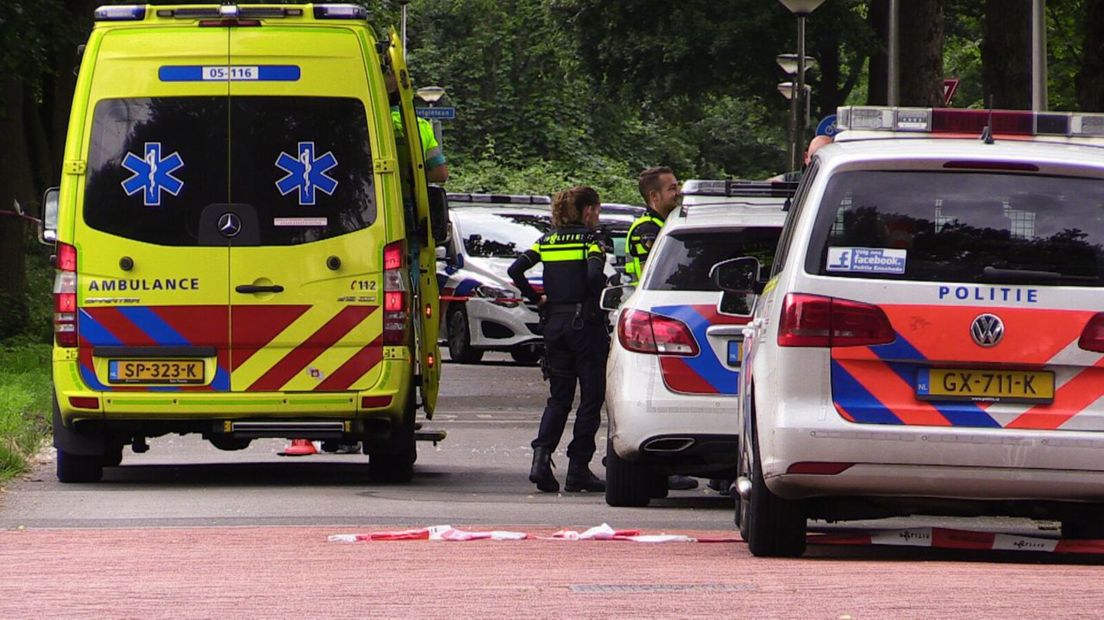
(739, 187)
(516, 199)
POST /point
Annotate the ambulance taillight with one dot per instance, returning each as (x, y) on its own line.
(65, 296)
(394, 294)
(1092, 337)
(817, 321)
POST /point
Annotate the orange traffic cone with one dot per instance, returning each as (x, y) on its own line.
(299, 447)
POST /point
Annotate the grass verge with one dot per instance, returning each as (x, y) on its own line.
(24, 405)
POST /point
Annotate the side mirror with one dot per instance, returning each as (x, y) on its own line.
(47, 226)
(442, 253)
(438, 214)
(737, 275)
(613, 296)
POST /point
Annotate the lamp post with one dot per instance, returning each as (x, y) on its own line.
(801, 9)
(790, 64)
(431, 95)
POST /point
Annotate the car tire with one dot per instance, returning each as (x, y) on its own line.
(526, 355)
(771, 525)
(459, 338)
(113, 455)
(627, 483)
(79, 467)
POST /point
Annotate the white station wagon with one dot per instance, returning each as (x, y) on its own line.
(930, 339)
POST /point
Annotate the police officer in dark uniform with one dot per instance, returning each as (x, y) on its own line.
(576, 340)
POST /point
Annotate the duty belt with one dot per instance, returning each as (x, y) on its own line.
(564, 308)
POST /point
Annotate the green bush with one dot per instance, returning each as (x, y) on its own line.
(24, 405)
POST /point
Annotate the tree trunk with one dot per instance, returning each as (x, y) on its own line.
(1006, 54)
(15, 184)
(921, 43)
(877, 81)
(1090, 80)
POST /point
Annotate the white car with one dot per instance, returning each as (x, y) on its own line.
(674, 364)
(930, 340)
(481, 309)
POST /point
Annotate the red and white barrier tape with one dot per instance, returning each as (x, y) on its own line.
(447, 532)
(942, 538)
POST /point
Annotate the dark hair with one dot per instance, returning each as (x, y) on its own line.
(649, 181)
(568, 205)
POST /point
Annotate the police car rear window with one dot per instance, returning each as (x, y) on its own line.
(983, 227)
(681, 261)
(299, 169)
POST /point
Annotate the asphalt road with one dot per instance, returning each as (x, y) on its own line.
(188, 531)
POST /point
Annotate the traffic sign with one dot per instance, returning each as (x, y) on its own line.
(440, 114)
(827, 126)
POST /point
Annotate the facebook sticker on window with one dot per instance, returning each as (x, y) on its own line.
(867, 260)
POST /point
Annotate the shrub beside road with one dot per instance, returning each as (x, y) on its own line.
(24, 405)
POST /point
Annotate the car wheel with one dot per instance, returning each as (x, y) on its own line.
(627, 483)
(771, 525)
(526, 355)
(459, 338)
(113, 455)
(79, 467)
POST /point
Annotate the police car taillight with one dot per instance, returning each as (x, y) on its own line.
(65, 296)
(644, 332)
(394, 294)
(817, 321)
(1092, 337)
(970, 122)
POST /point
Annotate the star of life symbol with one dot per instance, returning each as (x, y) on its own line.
(152, 174)
(306, 174)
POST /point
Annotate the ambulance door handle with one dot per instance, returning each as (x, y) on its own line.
(256, 288)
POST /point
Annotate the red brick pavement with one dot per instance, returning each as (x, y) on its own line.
(293, 572)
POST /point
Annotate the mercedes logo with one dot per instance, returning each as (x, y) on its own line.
(987, 330)
(229, 225)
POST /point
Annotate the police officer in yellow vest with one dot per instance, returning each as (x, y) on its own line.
(576, 341)
(661, 192)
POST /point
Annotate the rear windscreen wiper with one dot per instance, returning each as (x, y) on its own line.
(991, 273)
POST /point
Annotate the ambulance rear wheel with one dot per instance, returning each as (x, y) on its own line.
(459, 338)
(79, 467)
(394, 461)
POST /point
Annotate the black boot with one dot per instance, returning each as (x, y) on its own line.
(580, 478)
(541, 472)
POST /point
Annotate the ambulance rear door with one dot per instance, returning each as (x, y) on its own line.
(308, 237)
(152, 284)
(420, 240)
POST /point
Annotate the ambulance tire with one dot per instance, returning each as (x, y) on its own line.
(113, 455)
(627, 483)
(776, 527)
(395, 461)
(79, 467)
(459, 338)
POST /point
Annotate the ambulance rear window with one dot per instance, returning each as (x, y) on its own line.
(301, 165)
(682, 260)
(993, 228)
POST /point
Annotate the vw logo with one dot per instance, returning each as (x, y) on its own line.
(987, 330)
(229, 225)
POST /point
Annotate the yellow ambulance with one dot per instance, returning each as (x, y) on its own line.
(244, 237)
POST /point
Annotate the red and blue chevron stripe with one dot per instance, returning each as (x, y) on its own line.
(705, 373)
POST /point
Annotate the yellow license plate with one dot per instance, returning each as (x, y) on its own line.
(155, 372)
(979, 384)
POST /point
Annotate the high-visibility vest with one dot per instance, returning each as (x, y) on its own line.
(634, 266)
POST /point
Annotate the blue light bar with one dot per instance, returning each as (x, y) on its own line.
(120, 13)
(339, 11)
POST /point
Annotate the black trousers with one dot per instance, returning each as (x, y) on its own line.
(574, 352)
